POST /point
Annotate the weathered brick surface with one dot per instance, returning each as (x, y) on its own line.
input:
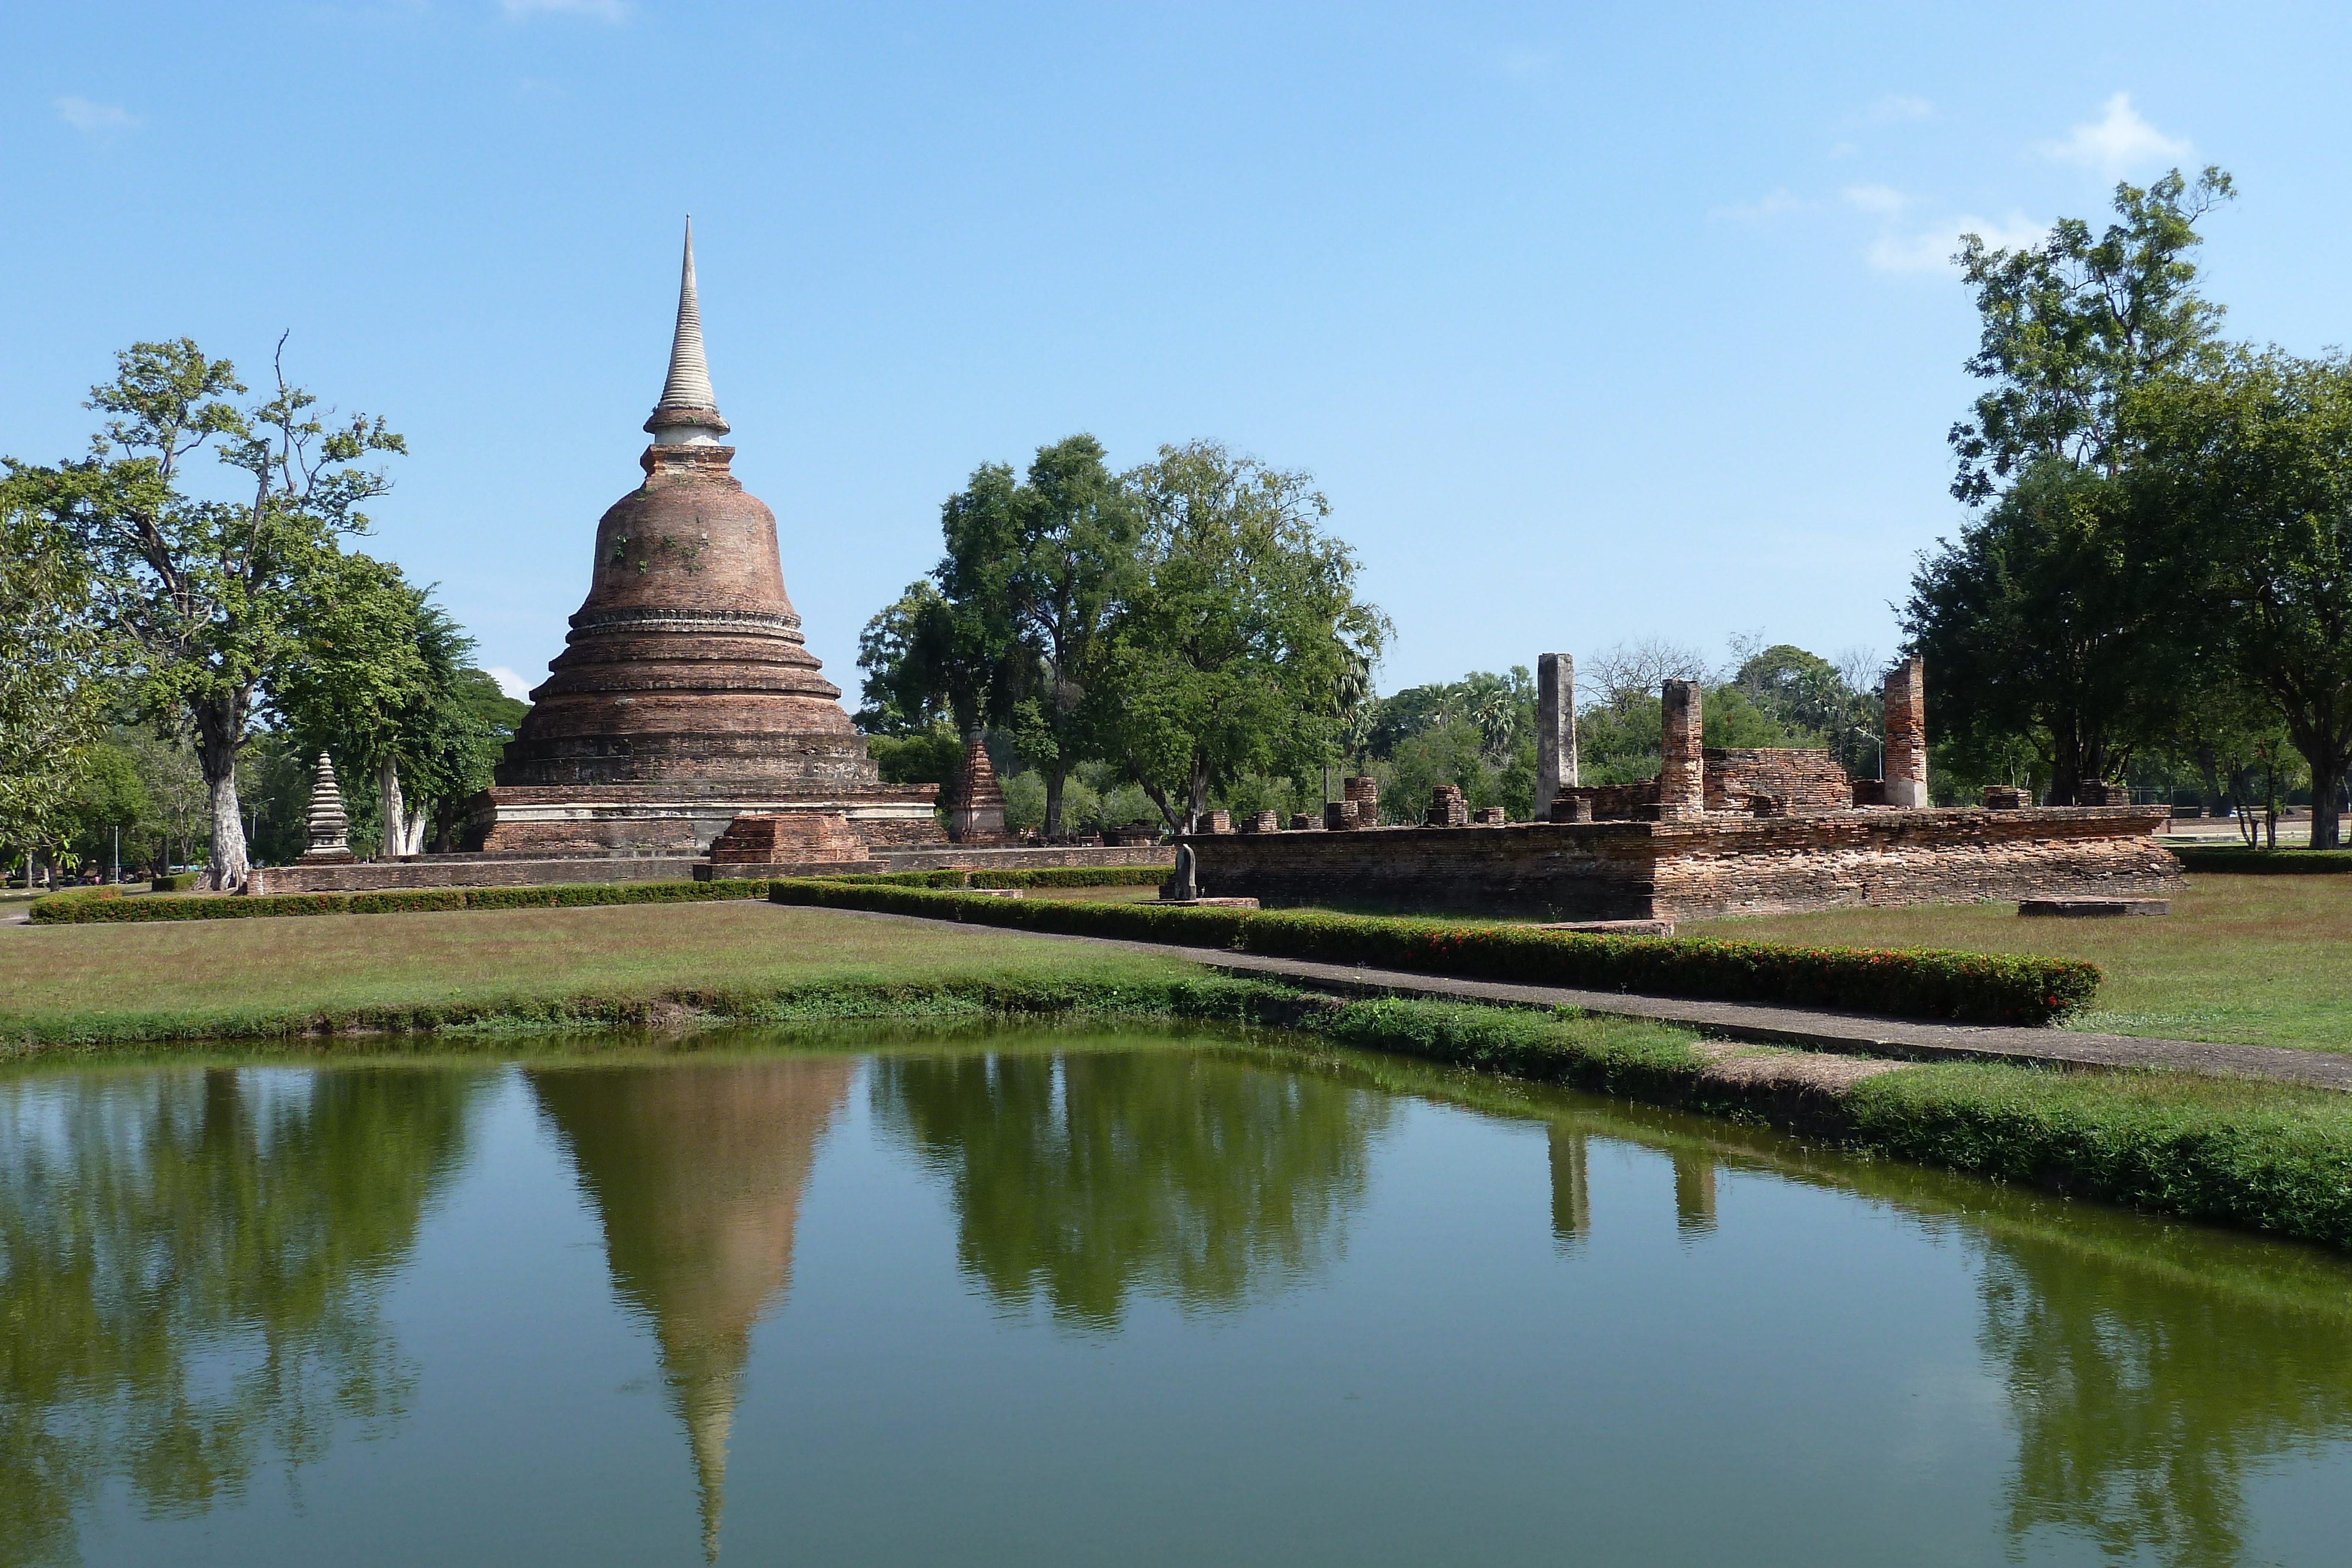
(1806, 779)
(470, 871)
(1446, 808)
(1907, 736)
(1610, 802)
(782, 837)
(1681, 783)
(684, 696)
(1692, 869)
(948, 857)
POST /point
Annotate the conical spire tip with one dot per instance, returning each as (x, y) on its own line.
(687, 414)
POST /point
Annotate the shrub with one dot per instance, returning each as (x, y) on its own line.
(175, 882)
(2235, 860)
(1926, 983)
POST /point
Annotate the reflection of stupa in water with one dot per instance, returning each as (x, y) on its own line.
(696, 1173)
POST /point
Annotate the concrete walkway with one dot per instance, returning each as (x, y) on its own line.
(1769, 1023)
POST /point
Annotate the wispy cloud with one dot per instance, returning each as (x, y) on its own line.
(1770, 206)
(1928, 249)
(2120, 142)
(1883, 200)
(96, 118)
(511, 683)
(1897, 106)
(602, 10)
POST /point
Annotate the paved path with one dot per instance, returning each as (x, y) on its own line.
(1771, 1023)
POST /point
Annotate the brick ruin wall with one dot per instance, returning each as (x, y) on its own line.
(1694, 870)
(1806, 779)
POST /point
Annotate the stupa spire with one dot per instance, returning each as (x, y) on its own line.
(687, 414)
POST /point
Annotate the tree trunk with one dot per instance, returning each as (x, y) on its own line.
(1196, 795)
(218, 730)
(1055, 772)
(2326, 781)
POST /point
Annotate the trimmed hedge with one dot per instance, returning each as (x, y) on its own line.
(2235, 859)
(233, 907)
(1921, 983)
(177, 882)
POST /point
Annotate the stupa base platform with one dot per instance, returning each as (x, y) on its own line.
(1705, 867)
(681, 819)
(523, 870)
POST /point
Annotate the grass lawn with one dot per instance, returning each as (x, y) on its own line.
(2265, 960)
(228, 969)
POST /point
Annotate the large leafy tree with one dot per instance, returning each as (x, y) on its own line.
(2049, 619)
(1229, 652)
(1075, 528)
(2041, 619)
(2252, 467)
(203, 593)
(51, 675)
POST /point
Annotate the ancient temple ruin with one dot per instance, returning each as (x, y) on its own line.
(684, 696)
(1719, 831)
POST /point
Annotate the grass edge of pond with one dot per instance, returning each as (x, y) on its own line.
(2263, 1156)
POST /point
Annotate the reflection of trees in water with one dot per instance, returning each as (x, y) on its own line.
(188, 1262)
(696, 1171)
(2144, 1401)
(1080, 1178)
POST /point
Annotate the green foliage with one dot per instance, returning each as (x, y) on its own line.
(2231, 860)
(932, 755)
(1972, 987)
(2250, 466)
(51, 668)
(2072, 325)
(1231, 654)
(2277, 1159)
(202, 596)
(2052, 619)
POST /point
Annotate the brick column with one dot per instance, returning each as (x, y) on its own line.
(1906, 735)
(1554, 729)
(1682, 767)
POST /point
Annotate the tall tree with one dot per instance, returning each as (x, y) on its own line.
(2252, 466)
(202, 591)
(1075, 528)
(50, 671)
(1228, 655)
(2040, 619)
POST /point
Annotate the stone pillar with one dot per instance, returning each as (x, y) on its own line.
(1554, 729)
(1906, 735)
(1682, 765)
(330, 827)
(1571, 1188)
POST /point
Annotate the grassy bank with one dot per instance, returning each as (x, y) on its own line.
(212, 979)
(2255, 960)
(2257, 1156)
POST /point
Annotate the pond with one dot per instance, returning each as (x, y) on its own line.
(1047, 1297)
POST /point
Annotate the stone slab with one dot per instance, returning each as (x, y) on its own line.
(2092, 908)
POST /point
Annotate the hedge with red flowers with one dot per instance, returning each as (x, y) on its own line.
(1914, 982)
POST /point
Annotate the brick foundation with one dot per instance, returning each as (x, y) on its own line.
(1690, 868)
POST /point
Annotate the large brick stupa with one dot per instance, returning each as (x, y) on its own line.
(684, 696)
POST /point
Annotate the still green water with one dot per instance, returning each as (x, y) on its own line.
(1047, 1299)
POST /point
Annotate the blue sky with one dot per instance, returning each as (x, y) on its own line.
(1593, 323)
